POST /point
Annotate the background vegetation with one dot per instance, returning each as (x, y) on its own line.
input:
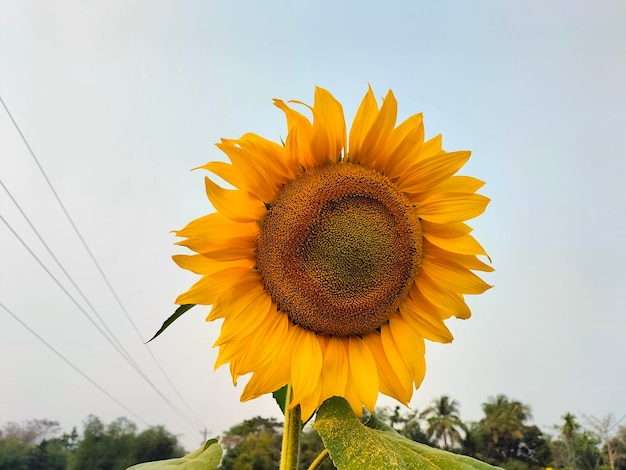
(503, 437)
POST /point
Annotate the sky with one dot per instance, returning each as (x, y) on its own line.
(119, 100)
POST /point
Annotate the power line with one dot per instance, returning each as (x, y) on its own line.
(121, 348)
(100, 270)
(95, 261)
(72, 365)
(84, 312)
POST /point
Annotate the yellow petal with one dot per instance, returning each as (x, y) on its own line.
(265, 348)
(426, 319)
(411, 347)
(271, 379)
(395, 379)
(329, 128)
(464, 245)
(210, 287)
(365, 116)
(227, 172)
(237, 298)
(213, 231)
(363, 371)
(298, 142)
(447, 300)
(309, 404)
(229, 352)
(376, 147)
(374, 150)
(306, 364)
(241, 323)
(428, 173)
(353, 398)
(336, 368)
(453, 276)
(265, 381)
(238, 249)
(445, 230)
(431, 147)
(202, 265)
(452, 207)
(261, 165)
(454, 184)
(406, 143)
(469, 261)
(237, 205)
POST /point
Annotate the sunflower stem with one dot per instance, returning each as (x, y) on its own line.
(319, 460)
(291, 434)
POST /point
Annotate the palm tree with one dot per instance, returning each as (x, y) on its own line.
(504, 418)
(570, 426)
(444, 421)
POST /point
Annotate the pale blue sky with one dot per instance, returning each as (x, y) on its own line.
(119, 99)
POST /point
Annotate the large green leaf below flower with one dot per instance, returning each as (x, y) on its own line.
(355, 446)
(206, 457)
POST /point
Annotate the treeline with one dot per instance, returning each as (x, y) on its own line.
(40, 445)
(502, 437)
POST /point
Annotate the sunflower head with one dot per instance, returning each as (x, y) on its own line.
(331, 261)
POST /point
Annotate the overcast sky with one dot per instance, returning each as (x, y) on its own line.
(120, 99)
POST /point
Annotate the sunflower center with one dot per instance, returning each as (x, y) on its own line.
(338, 249)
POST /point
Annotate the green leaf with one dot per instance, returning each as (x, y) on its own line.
(178, 313)
(206, 457)
(280, 396)
(353, 446)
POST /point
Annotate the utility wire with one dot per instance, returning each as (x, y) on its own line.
(120, 347)
(93, 258)
(84, 312)
(69, 363)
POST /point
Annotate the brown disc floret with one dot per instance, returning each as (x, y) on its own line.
(338, 249)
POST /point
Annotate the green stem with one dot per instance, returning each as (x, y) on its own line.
(291, 435)
(319, 460)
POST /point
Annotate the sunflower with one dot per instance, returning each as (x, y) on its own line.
(335, 256)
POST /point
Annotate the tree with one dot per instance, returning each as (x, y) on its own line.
(503, 438)
(32, 445)
(620, 444)
(504, 418)
(156, 443)
(117, 446)
(253, 444)
(605, 429)
(444, 423)
(575, 448)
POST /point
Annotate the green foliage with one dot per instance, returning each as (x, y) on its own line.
(36, 445)
(502, 437)
(32, 446)
(156, 443)
(252, 445)
(280, 396)
(103, 448)
(14, 455)
(576, 448)
(117, 446)
(444, 423)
